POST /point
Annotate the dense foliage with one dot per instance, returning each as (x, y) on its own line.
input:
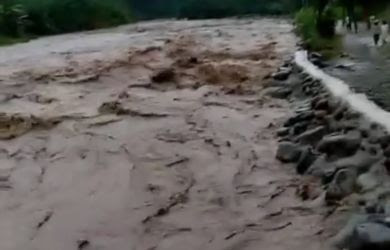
(317, 33)
(20, 18)
(37, 17)
(24, 18)
(211, 8)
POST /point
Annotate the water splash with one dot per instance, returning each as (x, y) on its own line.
(340, 89)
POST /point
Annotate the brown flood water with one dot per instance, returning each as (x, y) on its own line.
(94, 155)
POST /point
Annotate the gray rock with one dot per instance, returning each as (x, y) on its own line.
(342, 185)
(322, 105)
(351, 114)
(340, 145)
(384, 141)
(283, 132)
(364, 232)
(342, 125)
(348, 67)
(373, 207)
(281, 75)
(367, 181)
(386, 152)
(344, 238)
(371, 235)
(320, 114)
(349, 125)
(361, 162)
(365, 133)
(306, 160)
(276, 83)
(316, 55)
(300, 117)
(373, 180)
(300, 127)
(280, 93)
(288, 152)
(319, 63)
(322, 168)
(312, 136)
(338, 114)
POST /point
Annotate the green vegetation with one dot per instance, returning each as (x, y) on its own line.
(29, 18)
(58, 16)
(7, 40)
(317, 32)
(24, 18)
(315, 22)
(211, 8)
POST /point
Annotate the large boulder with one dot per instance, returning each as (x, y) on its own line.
(299, 117)
(282, 132)
(364, 232)
(306, 160)
(322, 168)
(367, 181)
(312, 136)
(282, 75)
(280, 93)
(342, 185)
(322, 105)
(344, 238)
(340, 145)
(384, 141)
(300, 127)
(361, 162)
(288, 152)
(371, 235)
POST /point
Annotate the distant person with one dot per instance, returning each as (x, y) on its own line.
(376, 31)
(384, 31)
(348, 23)
(371, 21)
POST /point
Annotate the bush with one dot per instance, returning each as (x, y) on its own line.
(306, 26)
(326, 23)
(318, 32)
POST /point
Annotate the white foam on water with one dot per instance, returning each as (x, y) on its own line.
(338, 88)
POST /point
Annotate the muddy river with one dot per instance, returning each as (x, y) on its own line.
(149, 136)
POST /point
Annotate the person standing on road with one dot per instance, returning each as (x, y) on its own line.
(376, 30)
(384, 32)
(371, 22)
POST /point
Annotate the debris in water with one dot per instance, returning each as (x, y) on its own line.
(164, 75)
(179, 161)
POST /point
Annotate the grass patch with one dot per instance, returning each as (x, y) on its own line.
(6, 40)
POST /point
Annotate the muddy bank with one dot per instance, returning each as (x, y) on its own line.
(347, 153)
(152, 136)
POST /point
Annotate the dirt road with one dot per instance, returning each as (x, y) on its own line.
(149, 136)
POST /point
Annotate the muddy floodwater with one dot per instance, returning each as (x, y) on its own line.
(151, 136)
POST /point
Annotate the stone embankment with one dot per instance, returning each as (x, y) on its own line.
(342, 146)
